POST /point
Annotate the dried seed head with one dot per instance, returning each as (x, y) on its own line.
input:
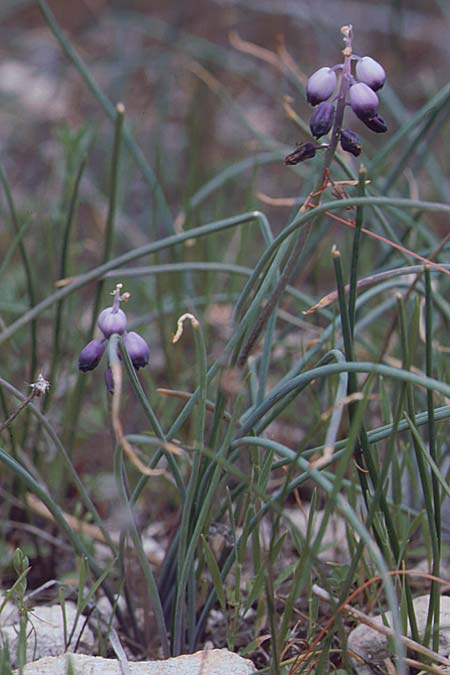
(350, 142)
(302, 152)
(375, 123)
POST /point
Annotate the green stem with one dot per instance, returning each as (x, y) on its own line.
(436, 569)
(19, 232)
(355, 251)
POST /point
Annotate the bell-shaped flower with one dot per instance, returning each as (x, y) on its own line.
(91, 355)
(137, 349)
(370, 72)
(322, 119)
(363, 100)
(350, 142)
(320, 85)
(113, 319)
(110, 321)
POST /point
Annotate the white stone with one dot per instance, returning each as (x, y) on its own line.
(45, 632)
(372, 646)
(210, 662)
(333, 546)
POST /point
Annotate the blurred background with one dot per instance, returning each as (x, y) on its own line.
(205, 85)
(187, 79)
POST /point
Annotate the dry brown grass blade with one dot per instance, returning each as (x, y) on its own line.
(88, 530)
(380, 628)
(91, 531)
(118, 429)
(251, 48)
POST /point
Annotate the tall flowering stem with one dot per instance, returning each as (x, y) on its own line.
(347, 32)
(302, 237)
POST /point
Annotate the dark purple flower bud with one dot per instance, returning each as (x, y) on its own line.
(90, 356)
(320, 85)
(137, 349)
(302, 152)
(322, 119)
(375, 123)
(109, 380)
(363, 100)
(350, 142)
(371, 72)
(112, 319)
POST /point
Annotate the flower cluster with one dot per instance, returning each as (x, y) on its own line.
(330, 90)
(113, 320)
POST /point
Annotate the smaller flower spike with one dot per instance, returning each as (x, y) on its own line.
(112, 319)
(302, 152)
(320, 85)
(350, 142)
(90, 356)
(376, 123)
(363, 100)
(370, 72)
(137, 349)
(322, 119)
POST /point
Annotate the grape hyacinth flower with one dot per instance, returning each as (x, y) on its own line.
(321, 85)
(370, 72)
(113, 321)
(137, 349)
(91, 355)
(353, 84)
(322, 119)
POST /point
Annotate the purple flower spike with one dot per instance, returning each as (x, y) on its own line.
(137, 349)
(113, 319)
(320, 85)
(350, 142)
(90, 356)
(363, 100)
(322, 119)
(376, 123)
(370, 72)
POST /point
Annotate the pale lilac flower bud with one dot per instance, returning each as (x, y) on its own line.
(90, 356)
(137, 349)
(363, 100)
(320, 85)
(112, 319)
(376, 123)
(322, 119)
(371, 72)
(302, 152)
(350, 142)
